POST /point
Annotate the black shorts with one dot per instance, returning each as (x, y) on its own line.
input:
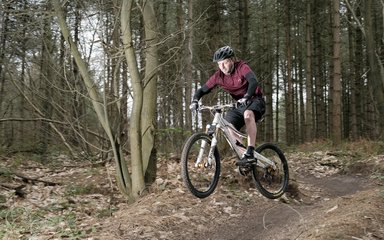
(236, 115)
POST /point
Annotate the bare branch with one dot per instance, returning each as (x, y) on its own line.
(31, 120)
(355, 17)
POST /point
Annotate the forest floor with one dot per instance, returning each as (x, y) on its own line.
(333, 195)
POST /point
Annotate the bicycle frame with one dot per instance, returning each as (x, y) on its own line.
(219, 123)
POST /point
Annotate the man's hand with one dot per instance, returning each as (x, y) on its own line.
(242, 102)
(194, 105)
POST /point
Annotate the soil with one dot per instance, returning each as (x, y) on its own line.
(331, 196)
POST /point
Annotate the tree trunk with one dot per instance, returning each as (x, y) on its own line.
(309, 81)
(360, 94)
(46, 73)
(277, 87)
(302, 99)
(135, 132)
(320, 78)
(3, 37)
(266, 76)
(289, 89)
(243, 27)
(148, 114)
(352, 82)
(189, 66)
(376, 73)
(336, 79)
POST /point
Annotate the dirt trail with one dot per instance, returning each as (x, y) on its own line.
(304, 220)
(327, 205)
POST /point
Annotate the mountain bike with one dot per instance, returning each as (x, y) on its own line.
(200, 158)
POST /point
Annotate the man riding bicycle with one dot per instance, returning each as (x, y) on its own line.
(236, 77)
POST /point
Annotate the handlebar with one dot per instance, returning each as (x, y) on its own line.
(216, 107)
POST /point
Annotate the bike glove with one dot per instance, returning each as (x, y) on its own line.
(194, 105)
(242, 102)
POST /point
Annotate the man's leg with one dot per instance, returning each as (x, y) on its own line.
(250, 123)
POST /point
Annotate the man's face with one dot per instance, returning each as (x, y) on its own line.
(226, 66)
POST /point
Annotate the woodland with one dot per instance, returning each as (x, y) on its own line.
(113, 79)
(94, 114)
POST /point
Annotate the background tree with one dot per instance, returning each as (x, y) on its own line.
(289, 87)
(336, 78)
(309, 80)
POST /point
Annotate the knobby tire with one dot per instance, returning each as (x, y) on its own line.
(200, 181)
(261, 174)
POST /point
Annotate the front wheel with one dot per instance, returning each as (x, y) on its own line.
(271, 181)
(200, 171)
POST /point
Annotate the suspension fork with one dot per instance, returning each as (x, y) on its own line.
(212, 131)
(201, 153)
(210, 153)
(212, 149)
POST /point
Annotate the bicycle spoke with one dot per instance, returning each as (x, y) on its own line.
(200, 174)
(271, 180)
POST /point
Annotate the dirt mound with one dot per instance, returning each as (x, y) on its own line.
(328, 205)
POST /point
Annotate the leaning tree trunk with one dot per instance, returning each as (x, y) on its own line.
(123, 177)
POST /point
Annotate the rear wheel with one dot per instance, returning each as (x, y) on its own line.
(271, 182)
(199, 170)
